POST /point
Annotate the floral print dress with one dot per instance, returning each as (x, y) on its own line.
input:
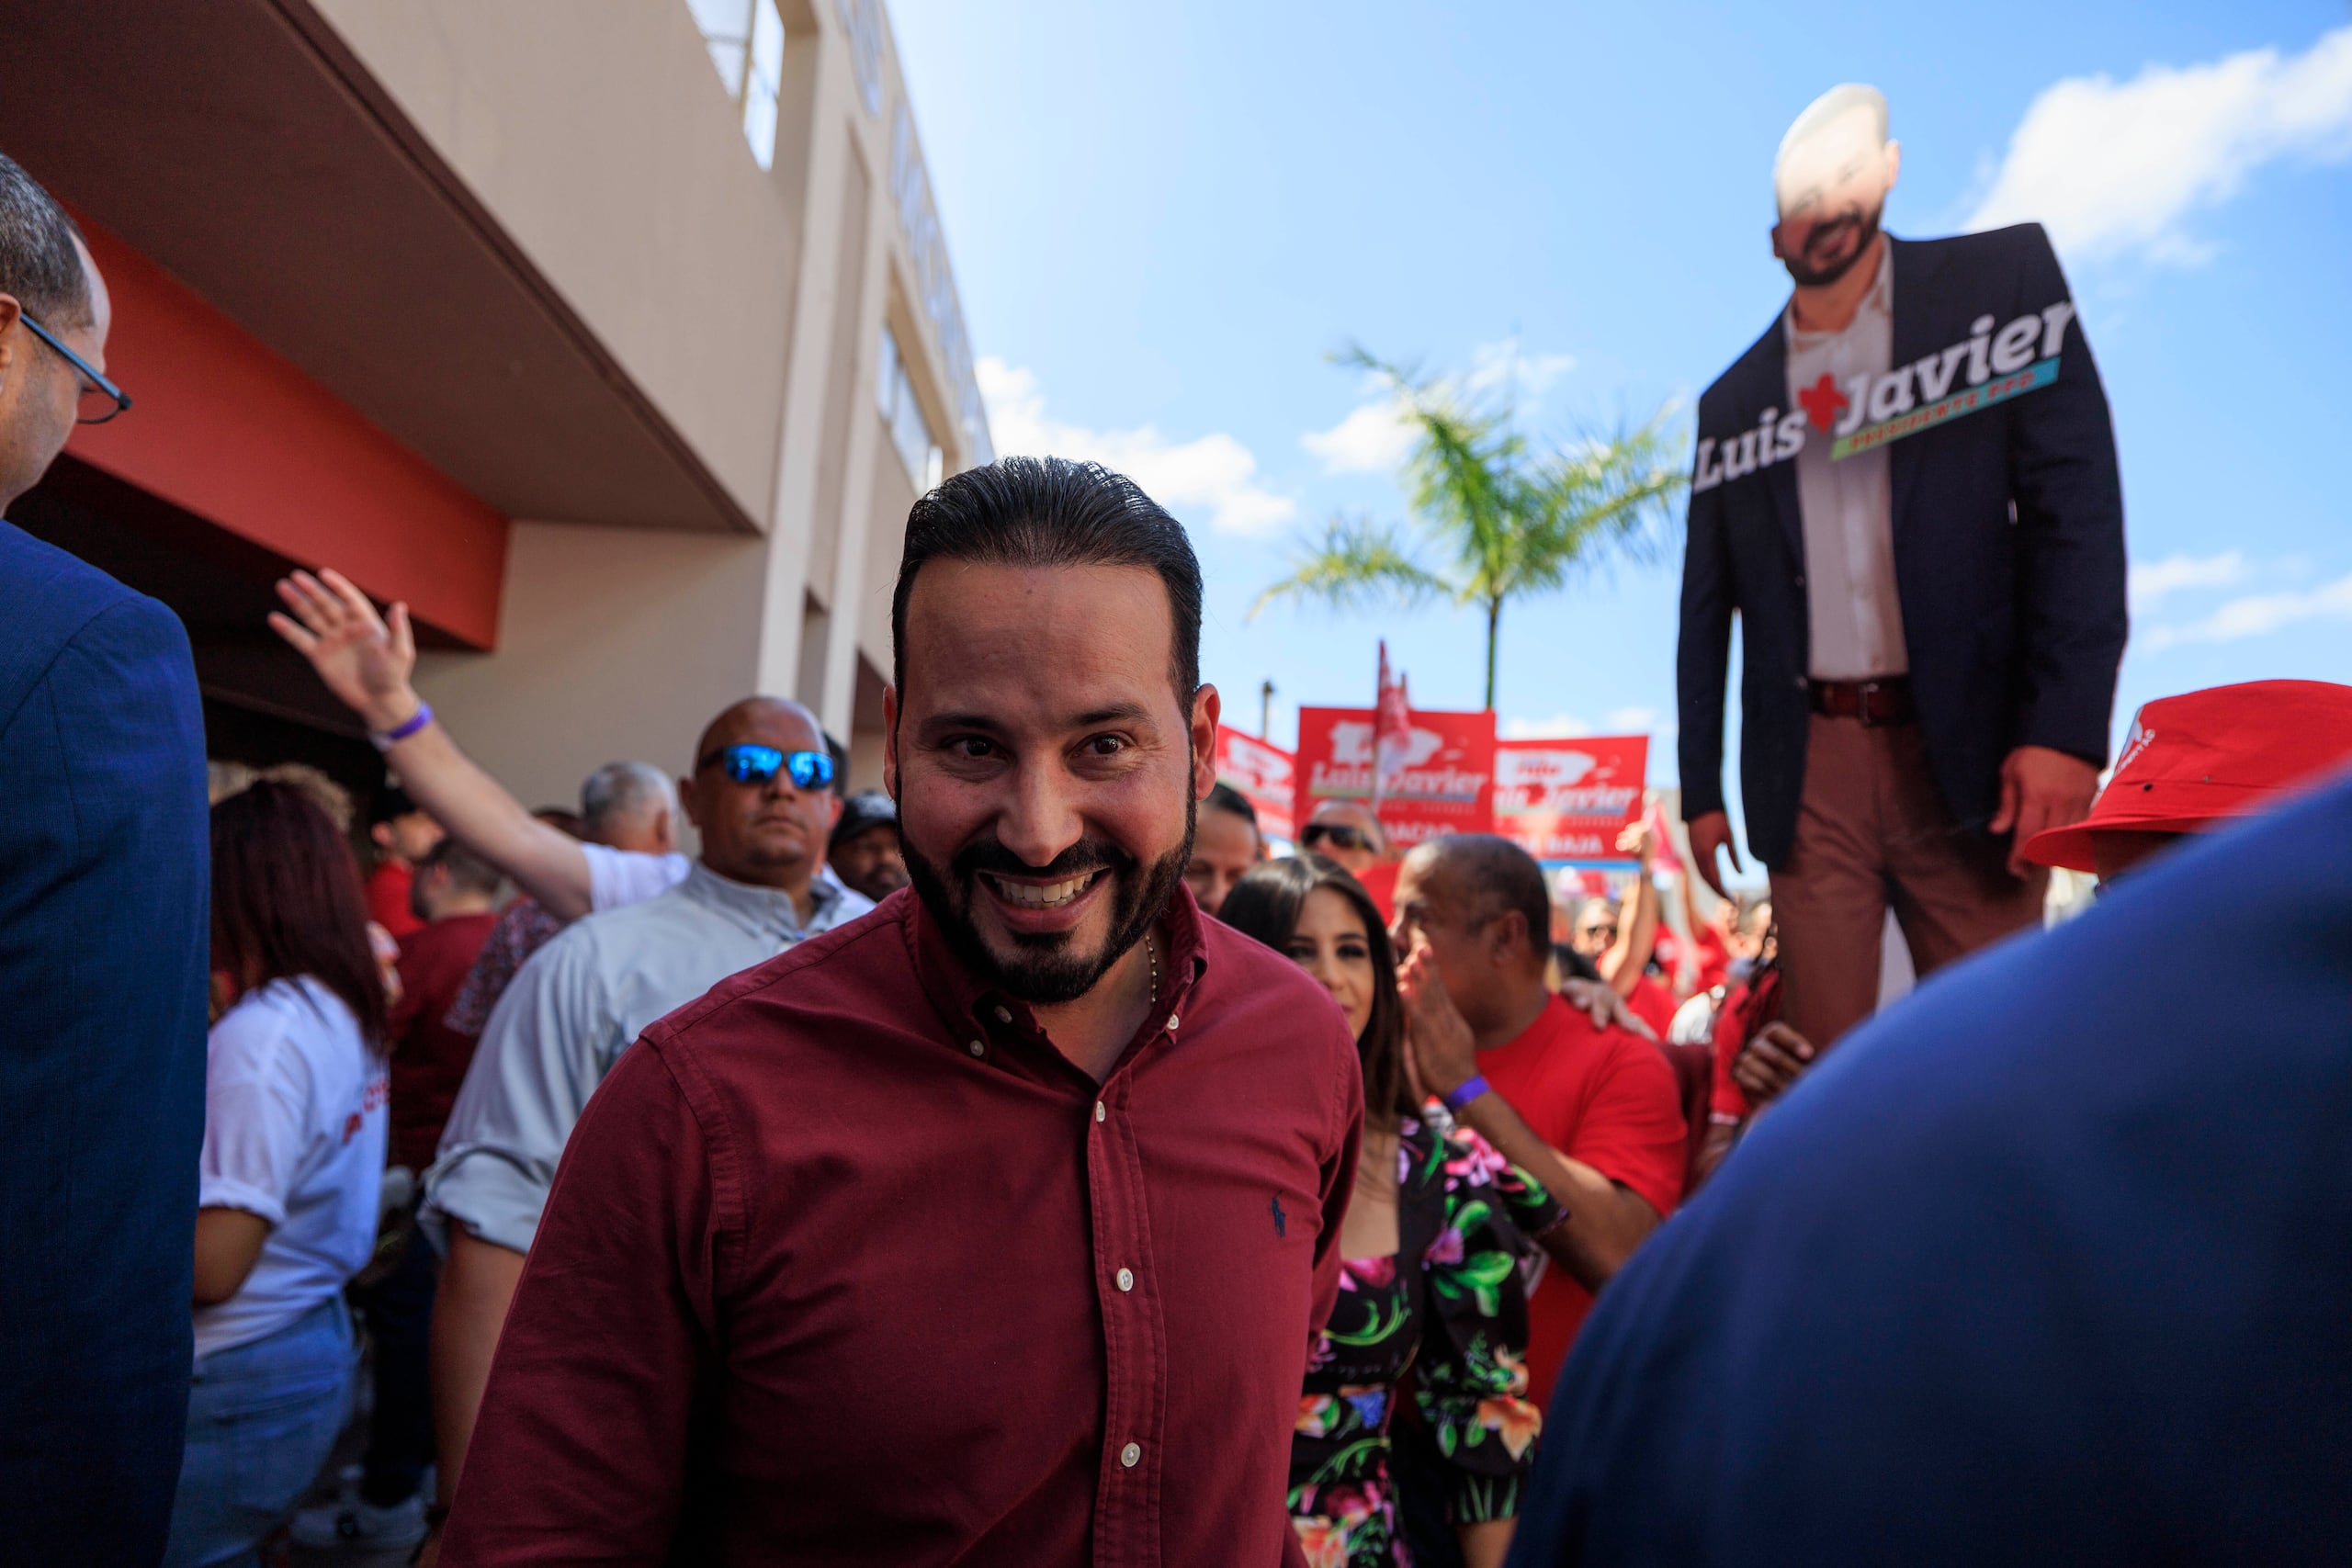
(1452, 1306)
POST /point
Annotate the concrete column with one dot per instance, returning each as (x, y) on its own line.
(864, 434)
(818, 295)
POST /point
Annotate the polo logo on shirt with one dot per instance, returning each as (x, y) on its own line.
(1874, 410)
(1282, 1221)
(351, 1125)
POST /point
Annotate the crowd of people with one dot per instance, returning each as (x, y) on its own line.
(1028, 1162)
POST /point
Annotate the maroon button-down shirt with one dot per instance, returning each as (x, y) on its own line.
(846, 1264)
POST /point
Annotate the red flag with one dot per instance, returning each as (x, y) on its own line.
(1392, 732)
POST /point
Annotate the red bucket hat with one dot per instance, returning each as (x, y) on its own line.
(2196, 759)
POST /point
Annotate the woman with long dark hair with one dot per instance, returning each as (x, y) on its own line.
(293, 1161)
(1429, 1278)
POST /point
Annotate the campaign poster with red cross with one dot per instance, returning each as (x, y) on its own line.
(1567, 800)
(1267, 777)
(1446, 783)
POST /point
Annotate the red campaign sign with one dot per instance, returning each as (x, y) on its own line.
(1447, 785)
(1569, 799)
(1266, 776)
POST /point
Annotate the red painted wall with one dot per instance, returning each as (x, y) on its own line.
(221, 426)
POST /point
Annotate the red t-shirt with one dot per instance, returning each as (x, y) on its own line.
(387, 888)
(1605, 1099)
(429, 1059)
(1745, 1011)
(1653, 1004)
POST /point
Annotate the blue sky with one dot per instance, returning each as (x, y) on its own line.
(1162, 220)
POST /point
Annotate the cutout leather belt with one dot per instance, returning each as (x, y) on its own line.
(1879, 703)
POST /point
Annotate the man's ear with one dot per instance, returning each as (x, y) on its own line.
(890, 740)
(1893, 166)
(380, 835)
(1506, 935)
(1208, 707)
(686, 802)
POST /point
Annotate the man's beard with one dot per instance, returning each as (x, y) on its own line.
(1865, 225)
(1044, 971)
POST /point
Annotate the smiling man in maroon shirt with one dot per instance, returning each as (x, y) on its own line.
(988, 1229)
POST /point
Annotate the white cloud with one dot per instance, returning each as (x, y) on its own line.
(1559, 727)
(2152, 582)
(2114, 167)
(1377, 435)
(1495, 365)
(1375, 438)
(2256, 614)
(1632, 721)
(1215, 471)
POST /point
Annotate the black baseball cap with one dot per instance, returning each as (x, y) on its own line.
(866, 808)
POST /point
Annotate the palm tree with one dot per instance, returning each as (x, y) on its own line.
(1515, 522)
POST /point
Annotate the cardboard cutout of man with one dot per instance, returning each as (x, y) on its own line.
(1906, 490)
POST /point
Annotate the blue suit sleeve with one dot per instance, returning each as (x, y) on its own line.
(1702, 655)
(104, 937)
(2069, 498)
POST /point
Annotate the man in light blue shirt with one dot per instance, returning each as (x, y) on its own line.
(761, 796)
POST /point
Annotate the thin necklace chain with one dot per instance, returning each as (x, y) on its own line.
(1151, 956)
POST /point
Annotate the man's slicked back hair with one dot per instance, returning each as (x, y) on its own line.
(1050, 511)
(38, 262)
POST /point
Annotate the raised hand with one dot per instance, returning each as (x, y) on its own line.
(364, 660)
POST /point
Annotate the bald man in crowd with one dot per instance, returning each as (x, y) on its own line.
(761, 794)
(1589, 1109)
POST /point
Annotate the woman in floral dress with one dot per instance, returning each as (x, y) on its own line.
(1428, 1281)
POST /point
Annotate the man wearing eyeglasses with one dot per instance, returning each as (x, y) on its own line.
(761, 792)
(102, 968)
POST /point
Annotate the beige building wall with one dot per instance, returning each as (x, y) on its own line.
(748, 307)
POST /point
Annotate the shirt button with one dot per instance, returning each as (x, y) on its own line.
(978, 1049)
(1098, 1112)
(1004, 1015)
(1126, 1279)
(1131, 1454)
(1171, 1023)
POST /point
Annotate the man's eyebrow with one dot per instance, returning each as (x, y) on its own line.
(1116, 714)
(943, 721)
(1111, 713)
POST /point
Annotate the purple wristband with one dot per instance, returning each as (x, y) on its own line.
(1471, 1089)
(416, 721)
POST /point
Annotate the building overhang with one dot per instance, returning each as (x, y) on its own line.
(240, 146)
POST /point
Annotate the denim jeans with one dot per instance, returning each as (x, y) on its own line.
(262, 1418)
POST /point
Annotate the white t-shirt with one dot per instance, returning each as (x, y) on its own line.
(619, 877)
(295, 1121)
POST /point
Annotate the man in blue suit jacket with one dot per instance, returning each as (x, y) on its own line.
(2047, 1265)
(104, 947)
(1906, 491)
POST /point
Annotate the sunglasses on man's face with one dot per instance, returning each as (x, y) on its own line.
(758, 764)
(1338, 835)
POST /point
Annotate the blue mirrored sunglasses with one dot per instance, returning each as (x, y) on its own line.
(758, 764)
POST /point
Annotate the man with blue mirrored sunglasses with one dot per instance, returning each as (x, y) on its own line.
(758, 764)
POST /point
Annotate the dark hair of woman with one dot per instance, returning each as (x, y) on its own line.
(287, 901)
(1265, 904)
